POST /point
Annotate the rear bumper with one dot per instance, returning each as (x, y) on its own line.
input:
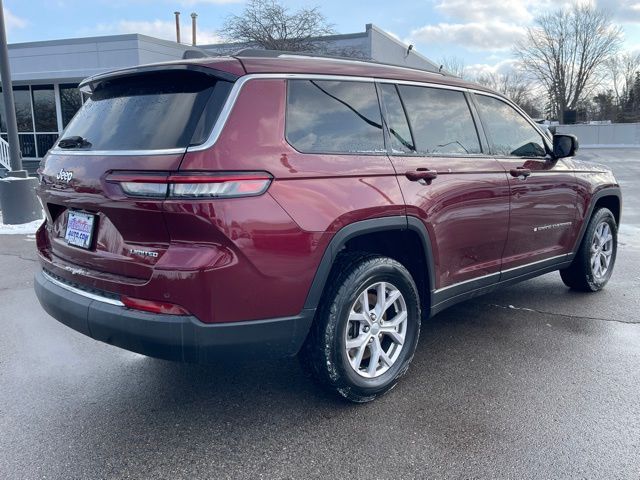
(172, 337)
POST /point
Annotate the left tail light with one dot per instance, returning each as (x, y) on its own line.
(152, 306)
(192, 185)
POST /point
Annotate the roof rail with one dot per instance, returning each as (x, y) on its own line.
(260, 53)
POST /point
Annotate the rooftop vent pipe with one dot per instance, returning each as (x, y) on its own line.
(177, 14)
(193, 28)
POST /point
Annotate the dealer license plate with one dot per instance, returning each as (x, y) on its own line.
(79, 229)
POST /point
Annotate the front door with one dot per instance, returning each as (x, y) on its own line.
(460, 194)
(543, 190)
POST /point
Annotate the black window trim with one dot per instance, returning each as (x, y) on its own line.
(385, 142)
(385, 121)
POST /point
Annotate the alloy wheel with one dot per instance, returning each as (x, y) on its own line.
(376, 329)
(601, 250)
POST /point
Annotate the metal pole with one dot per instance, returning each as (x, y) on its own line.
(9, 106)
(193, 28)
(177, 14)
(17, 192)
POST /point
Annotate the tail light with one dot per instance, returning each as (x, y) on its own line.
(192, 185)
(152, 306)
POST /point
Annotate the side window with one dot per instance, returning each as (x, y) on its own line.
(334, 117)
(509, 133)
(400, 133)
(441, 121)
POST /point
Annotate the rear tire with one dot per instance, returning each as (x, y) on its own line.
(593, 265)
(366, 329)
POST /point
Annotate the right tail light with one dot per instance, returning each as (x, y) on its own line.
(196, 185)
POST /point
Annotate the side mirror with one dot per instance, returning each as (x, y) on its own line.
(564, 145)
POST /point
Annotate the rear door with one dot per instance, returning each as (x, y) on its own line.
(543, 191)
(138, 126)
(460, 194)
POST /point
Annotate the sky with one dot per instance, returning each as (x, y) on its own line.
(480, 33)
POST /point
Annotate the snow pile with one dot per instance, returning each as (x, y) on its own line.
(21, 229)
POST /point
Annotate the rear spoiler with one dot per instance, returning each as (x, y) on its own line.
(89, 84)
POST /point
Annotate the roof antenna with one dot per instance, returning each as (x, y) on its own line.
(440, 69)
(409, 50)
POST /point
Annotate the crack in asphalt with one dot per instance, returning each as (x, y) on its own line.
(564, 315)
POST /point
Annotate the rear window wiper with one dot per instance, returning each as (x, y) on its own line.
(74, 142)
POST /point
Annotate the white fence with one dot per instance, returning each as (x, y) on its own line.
(4, 154)
(613, 135)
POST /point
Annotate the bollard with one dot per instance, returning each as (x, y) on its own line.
(18, 200)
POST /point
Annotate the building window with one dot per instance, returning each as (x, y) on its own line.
(39, 120)
(44, 108)
(70, 102)
(24, 114)
(27, 145)
(45, 117)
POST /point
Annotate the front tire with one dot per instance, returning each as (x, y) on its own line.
(592, 267)
(367, 327)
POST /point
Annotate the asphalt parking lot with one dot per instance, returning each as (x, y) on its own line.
(533, 381)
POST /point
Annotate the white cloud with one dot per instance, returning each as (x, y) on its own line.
(488, 35)
(492, 25)
(627, 11)
(486, 10)
(13, 21)
(482, 69)
(155, 28)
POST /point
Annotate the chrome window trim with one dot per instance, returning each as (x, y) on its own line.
(92, 296)
(116, 153)
(239, 84)
(484, 277)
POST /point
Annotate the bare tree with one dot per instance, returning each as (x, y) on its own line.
(513, 85)
(566, 51)
(269, 25)
(622, 72)
(453, 66)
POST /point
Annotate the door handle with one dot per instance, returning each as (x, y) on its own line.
(422, 175)
(520, 172)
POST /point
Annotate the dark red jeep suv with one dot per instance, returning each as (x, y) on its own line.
(279, 205)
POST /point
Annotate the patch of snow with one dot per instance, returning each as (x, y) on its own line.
(21, 229)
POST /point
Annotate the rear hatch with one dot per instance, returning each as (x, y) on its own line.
(136, 124)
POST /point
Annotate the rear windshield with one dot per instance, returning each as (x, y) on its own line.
(171, 109)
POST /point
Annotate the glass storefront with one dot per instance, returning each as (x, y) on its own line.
(42, 112)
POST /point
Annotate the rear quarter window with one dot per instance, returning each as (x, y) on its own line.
(334, 117)
(151, 111)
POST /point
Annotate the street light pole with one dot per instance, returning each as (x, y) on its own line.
(17, 192)
(9, 107)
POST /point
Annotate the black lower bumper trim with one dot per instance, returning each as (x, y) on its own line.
(173, 337)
